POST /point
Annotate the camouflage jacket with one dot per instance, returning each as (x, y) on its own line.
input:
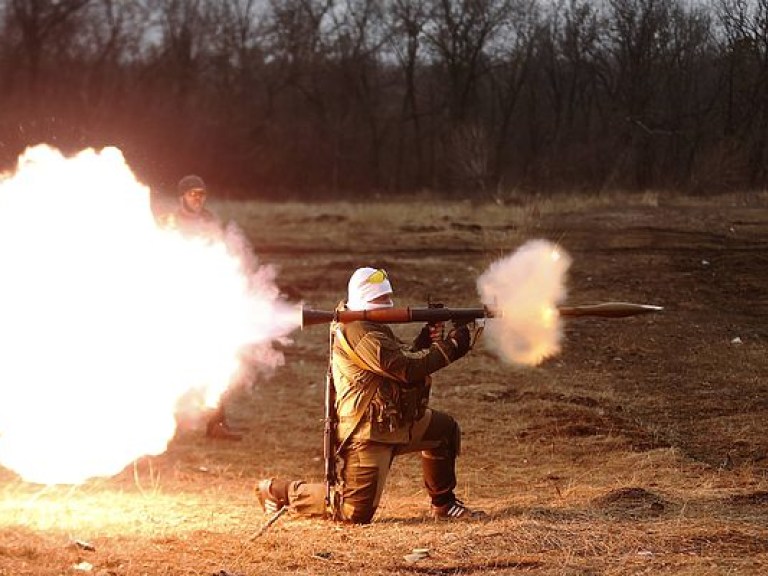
(362, 395)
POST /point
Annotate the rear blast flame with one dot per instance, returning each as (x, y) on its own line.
(525, 288)
(106, 321)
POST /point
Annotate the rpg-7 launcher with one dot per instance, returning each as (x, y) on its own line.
(459, 316)
(310, 317)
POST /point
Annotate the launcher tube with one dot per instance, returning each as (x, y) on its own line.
(395, 315)
(310, 317)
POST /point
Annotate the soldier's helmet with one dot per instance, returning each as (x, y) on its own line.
(191, 182)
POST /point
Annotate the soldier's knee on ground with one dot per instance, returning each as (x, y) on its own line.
(357, 514)
(358, 501)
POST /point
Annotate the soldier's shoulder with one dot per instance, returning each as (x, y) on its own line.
(209, 216)
(363, 328)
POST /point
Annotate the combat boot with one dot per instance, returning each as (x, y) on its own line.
(272, 494)
(455, 510)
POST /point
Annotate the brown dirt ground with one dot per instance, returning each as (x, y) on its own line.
(639, 449)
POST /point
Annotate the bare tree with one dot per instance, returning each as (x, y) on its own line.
(357, 38)
(112, 38)
(37, 22)
(327, 56)
(407, 21)
(184, 42)
(746, 44)
(512, 59)
(459, 35)
(638, 37)
(688, 94)
(298, 55)
(346, 95)
(570, 48)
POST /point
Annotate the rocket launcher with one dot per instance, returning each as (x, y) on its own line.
(430, 315)
(459, 316)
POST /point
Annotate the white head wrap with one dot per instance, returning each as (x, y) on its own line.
(361, 290)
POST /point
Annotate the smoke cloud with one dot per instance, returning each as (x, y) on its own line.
(524, 289)
(107, 321)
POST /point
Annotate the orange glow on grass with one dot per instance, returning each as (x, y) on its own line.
(107, 321)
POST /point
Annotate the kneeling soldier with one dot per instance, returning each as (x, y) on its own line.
(382, 392)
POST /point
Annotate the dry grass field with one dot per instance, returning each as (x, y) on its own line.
(640, 449)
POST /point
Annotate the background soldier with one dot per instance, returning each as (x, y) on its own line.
(192, 218)
(382, 392)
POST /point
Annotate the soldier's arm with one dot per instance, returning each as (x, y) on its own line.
(379, 350)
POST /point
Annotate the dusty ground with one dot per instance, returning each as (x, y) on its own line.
(640, 449)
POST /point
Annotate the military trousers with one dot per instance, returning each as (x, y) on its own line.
(364, 466)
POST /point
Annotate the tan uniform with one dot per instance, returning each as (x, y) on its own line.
(382, 413)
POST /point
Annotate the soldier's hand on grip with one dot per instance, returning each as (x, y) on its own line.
(436, 331)
(461, 340)
(424, 339)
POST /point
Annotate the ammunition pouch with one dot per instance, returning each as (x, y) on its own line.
(384, 409)
(414, 400)
(394, 405)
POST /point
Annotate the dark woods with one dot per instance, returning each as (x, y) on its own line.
(313, 98)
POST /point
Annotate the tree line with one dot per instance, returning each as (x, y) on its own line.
(313, 98)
